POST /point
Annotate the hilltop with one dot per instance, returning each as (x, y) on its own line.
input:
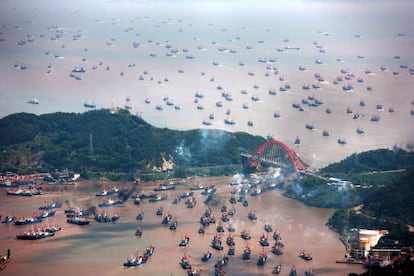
(99, 141)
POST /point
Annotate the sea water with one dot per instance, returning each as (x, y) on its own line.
(226, 42)
(102, 248)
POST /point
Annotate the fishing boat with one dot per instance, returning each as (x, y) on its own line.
(50, 205)
(191, 202)
(263, 240)
(309, 272)
(78, 220)
(105, 217)
(139, 231)
(78, 70)
(113, 190)
(262, 258)
(246, 253)
(137, 201)
(306, 86)
(151, 195)
(110, 202)
(27, 220)
(218, 271)
(209, 190)
(222, 261)
(229, 121)
(197, 187)
(230, 240)
(140, 215)
(216, 243)
(185, 241)
(160, 211)
(293, 271)
(256, 191)
(176, 200)
(173, 225)
(309, 126)
(194, 272)
(276, 249)
(128, 105)
(360, 130)
(225, 218)
(347, 87)
(167, 219)
(149, 251)
(24, 192)
(305, 255)
(103, 193)
(136, 260)
(163, 188)
(277, 269)
(252, 216)
(89, 104)
(158, 198)
(51, 229)
(375, 118)
(276, 235)
(34, 235)
(185, 262)
(46, 214)
(33, 101)
(220, 228)
(187, 194)
(9, 219)
(245, 235)
(231, 251)
(206, 256)
(341, 141)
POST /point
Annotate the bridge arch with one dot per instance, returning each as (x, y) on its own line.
(254, 160)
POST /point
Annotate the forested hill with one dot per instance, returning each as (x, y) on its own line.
(100, 141)
(374, 160)
(395, 201)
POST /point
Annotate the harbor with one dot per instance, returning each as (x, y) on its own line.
(79, 249)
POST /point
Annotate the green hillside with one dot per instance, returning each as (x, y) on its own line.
(98, 141)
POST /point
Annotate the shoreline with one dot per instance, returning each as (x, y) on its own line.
(166, 251)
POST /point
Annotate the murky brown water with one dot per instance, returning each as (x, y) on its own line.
(101, 249)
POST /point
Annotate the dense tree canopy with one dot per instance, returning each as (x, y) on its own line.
(376, 160)
(100, 141)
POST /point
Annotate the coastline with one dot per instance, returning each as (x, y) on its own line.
(103, 247)
(371, 57)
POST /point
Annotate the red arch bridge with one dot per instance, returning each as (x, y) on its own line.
(277, 153)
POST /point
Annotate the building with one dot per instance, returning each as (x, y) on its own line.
(338, 183)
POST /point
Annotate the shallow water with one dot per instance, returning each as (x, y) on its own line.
(102, 248)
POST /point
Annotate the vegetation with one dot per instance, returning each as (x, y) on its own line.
(371, 161)
(386, 206)
(382, 189)
(98, 142)
(314, 191)
(401, 266)
(122, 146)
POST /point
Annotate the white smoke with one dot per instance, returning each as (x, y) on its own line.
(213, 139)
